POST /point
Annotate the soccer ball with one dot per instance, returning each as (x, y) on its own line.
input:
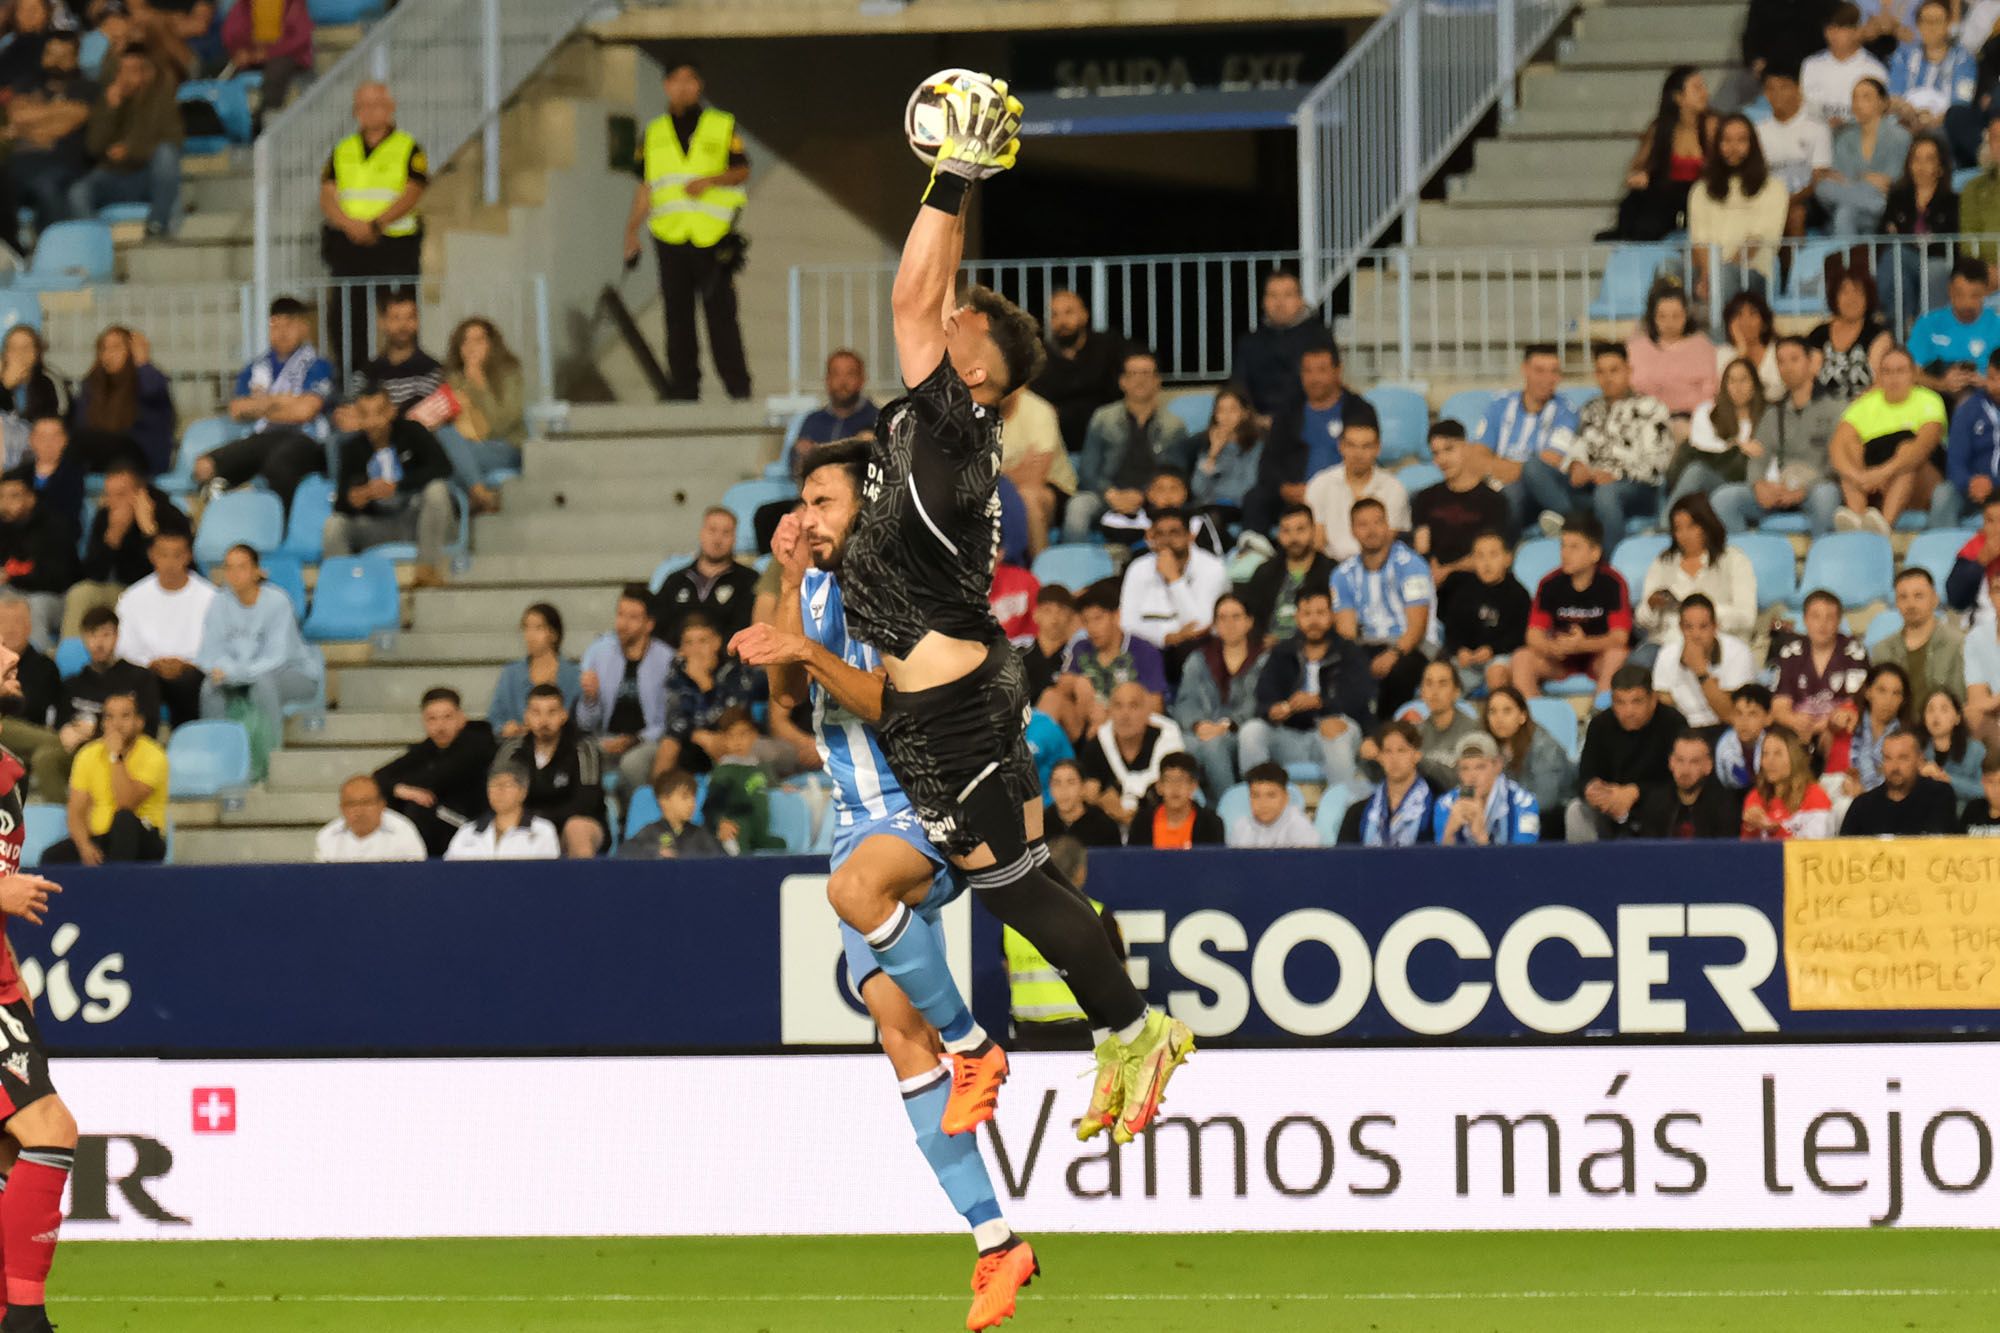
(923, 118)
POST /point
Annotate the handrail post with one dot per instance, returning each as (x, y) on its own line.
(545, 356)
(1100, 293)
(795, 328)
(1310, 185)
(489, 57)
(1405, 339)
(1410, 84)
(260, 158)
(1504, 38)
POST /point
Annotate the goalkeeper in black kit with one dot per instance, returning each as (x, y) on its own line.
(916, 576)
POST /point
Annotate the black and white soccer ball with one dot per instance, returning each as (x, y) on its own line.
(924, 117)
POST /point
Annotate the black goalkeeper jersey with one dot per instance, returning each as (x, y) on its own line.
(921, 555)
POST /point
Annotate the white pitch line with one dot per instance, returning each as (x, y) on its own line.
(1132, 1297)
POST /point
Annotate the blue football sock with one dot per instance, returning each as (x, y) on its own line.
(954, 1158)
(908, 951)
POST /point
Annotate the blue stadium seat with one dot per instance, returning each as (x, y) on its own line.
(1332, 809)
(1418, 476)
(19, 308)
(1882, 626)
(1774, 563)
(1633, 555)
(1073, 565)
(91, 50)
(1576, 395)
(1569, 687)
(203, 435)
(1194, 408)
(1806, 293)
(641, 809)
(792, 429)
(1790, 521)
(745, 498)
(231, 100)
(1963, 177)
(1628, 278)
(1305, 770)
(1556, 717)
(1857, 567)
(256, 518)
(71, 656)
(1467, 408)
(1535, 559)
(116, 213)
(1937, 552)
(288, 576)
(326, 12)
(672, 565)
(1235, 803)
(791, 819)
(356, 597)
(1406, 422)
(70, 256)
(43, 826)
(207, 758)
(305, 526)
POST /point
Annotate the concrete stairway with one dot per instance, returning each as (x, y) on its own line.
(1546, 185)
(593, 509)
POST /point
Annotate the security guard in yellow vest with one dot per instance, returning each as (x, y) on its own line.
(692, 169)
(1046, 1015)
(368, 194)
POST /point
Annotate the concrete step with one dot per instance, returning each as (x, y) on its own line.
(345, 728)
(1662, 23)
(717, 459)
(586, 611)
(1552, 186)
(1573, 157)
(303, 768)
(656, 419)
(1470, 225)
(592, 494)
(1621, 120)
(1454, 310)
(430, 647)
(669, 527)
(527, 573)
(1604, 88)
(186, 263)
(1713, 45)
(389, 689)
(243, 846)
(224, 193)
(311, 808)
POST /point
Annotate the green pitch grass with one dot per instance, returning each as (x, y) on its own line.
(1759, 1282)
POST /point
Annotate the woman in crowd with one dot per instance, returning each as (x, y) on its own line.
(58, 476)
(1218, 692)
(1950, 752)
(27, 32)
(1444, 725)
(1670, 360)
(542, 663)
(1785, 802)
(26, 387)
(1699, 559)
(1398, 812)
(1669, 161)
(1852, 343)
(1738, 213)
(1722, 441)
(1529, 754)
(1228, 454)
(1749, 325)
(485, 437)
(1885, 702)
(251, 651)
(124, 408)
(1868, 152)
(1921, 204)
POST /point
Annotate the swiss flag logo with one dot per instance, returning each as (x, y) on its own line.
(215, 1110)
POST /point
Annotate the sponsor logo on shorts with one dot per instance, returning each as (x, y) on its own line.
(18, 1064)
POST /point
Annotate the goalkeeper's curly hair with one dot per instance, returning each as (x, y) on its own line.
(1014, 331)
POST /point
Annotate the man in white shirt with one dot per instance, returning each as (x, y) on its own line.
(367, 830)
(507, 832)
(1698, 672)
(1169, 594)
(1828, 78)
(160, 620)
(1331, 494)
(1798, 148)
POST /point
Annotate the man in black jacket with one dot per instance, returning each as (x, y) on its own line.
(1271, 595)
(717, 584)
(1907, 803)
(1267, 358)
(565, 773)
(1081, 373)
(392, 487)
(1315, 698)
(1696, 805)
(118, 552)
(37, 551)
(439, 784)
(1304, 439)
(1624, 757)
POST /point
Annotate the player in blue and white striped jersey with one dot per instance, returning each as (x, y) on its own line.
(898, 967)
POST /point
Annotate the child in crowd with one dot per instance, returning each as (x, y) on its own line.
(1484, 611)
(739, 800)
(1736, 750)
(674, 834)
(1273, 820)
(1982, 816)
(1168, 818)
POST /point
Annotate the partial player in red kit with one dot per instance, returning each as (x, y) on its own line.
(40, 1134)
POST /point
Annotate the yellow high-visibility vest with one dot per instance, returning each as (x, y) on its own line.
(366, 183)
(1037, 992)
(677, 217)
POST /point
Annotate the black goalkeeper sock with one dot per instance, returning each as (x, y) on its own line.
(1058, 921)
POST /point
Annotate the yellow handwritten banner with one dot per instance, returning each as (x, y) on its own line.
(1906, 923)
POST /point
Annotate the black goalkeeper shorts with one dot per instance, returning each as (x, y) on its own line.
(960, 752)
(24, 1065)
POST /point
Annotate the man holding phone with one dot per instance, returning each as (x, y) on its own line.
(1951, 345)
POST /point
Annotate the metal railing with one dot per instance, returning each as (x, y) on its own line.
(202, 336)
(1187, 308)
(451, 65)
(1384, 120)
